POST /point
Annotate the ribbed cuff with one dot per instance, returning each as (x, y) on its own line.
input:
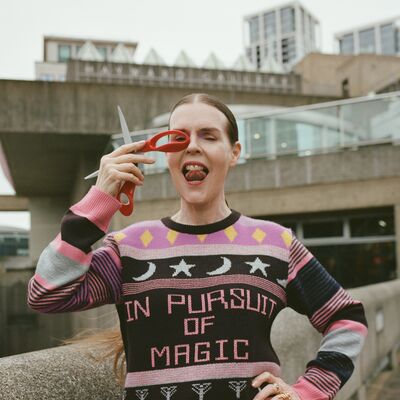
(98, 207)
(307, 391)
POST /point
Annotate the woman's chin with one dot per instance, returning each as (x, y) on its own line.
(195, 197)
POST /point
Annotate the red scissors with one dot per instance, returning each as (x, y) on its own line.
(180, 142)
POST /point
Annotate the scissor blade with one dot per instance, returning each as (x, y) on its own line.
(125, 134)
(92, 175)
(124, 127)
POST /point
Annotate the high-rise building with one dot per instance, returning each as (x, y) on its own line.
(382, 37)
(57, 51)
(279, 37)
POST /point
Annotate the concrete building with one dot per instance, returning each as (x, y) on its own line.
(380, 37)
(348, 75)
(280, 35)
(57, 51)
(13, 241)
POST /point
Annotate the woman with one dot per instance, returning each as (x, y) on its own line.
(197, 292)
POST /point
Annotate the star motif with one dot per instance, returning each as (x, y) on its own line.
(282, 282)
(258, 264)
(182, 267)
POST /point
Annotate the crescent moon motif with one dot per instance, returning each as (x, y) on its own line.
(226, 266)
(147, 274)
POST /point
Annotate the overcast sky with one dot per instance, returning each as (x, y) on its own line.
(198, 27)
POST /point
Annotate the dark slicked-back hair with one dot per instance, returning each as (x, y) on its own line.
(231, 126)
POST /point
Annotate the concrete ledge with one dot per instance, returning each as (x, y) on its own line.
(68, 373)
(60, 373)
(14, 203)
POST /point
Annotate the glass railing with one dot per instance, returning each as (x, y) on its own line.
(323, 128)
(308, 130)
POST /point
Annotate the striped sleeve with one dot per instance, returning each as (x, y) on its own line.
(70, 276)
(334, 313)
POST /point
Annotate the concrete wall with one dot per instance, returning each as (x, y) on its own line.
(63, 373)
(319, 73)
(21, 329)
(73, 107)
(369, 73)
(324, 73)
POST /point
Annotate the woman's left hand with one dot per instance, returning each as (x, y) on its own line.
(276, 388)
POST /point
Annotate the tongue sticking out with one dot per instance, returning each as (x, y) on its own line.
(195, 175)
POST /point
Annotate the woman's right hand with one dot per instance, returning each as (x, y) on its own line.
(118, 167)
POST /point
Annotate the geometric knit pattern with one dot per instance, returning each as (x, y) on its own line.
(196, 303)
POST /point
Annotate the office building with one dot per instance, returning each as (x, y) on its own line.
(13, 242)
(381, 37)
(281, 35)
(58, 51)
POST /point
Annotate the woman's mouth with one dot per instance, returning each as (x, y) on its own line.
(194, 171)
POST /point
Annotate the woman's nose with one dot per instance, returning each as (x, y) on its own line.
(193, 144)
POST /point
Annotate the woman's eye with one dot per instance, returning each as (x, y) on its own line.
(177, 138)
(210, 137)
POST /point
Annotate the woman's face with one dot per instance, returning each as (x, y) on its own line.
(199, 171)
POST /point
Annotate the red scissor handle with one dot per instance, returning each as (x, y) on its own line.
(179, 142)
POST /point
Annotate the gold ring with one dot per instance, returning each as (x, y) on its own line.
(285, 396)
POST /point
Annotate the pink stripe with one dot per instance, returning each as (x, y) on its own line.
(306, 390)
(338, 301)
(42, 282)
(200, 372)
(298, 266)
(203, 249)
(111, 253)
(324, 380)
(71, 252)
(350, 325)
(98, 207)
(198, 283)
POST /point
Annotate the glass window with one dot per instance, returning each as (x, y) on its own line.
(254, 29)
(290, 225)
(346, 44)
(103, 52)
(320, 229)
(311, 30)
(269, 25)
(371, 226)
(367, 41)
(24, 243)
(271, 47)
(388, 39)
(46, 77)
(288, 47)
(355, 265)
(64, 52)
(286, 136)
(287, 20)
(249, 54)
(257, 136)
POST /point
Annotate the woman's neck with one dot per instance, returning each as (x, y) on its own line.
(201, 214)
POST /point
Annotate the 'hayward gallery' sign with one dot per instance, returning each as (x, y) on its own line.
(161, 75)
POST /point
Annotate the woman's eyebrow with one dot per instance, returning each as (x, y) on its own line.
(201, 130)
(209, 130)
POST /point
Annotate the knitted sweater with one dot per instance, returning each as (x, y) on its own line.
(196, 303)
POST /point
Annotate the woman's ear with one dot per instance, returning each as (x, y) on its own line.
(236, 149)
